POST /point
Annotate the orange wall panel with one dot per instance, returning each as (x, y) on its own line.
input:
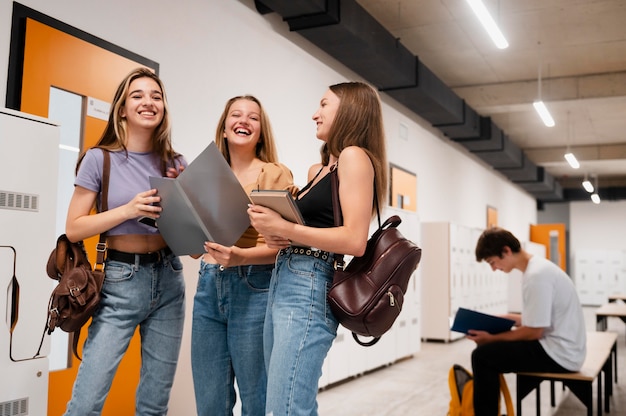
(540, 233)
(55, 58)
(404, 184)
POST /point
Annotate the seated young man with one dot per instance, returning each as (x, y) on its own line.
(549, 335)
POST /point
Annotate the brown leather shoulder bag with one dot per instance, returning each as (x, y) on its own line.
(367, 295)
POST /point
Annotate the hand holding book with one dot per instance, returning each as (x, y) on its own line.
(280, 201)
(467, 319)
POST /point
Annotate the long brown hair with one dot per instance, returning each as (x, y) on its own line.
(265, 148)
(115, 133)
(359, 122)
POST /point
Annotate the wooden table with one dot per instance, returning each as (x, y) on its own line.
(604, 312)
(617, 296)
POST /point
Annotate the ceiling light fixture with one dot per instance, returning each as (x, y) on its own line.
(595, 198)
(539, 105)
(488, 23)
(543, 112)
(571, 159)
(588, 185)
(569, 156)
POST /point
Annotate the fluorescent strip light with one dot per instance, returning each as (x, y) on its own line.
(488, 23)
(70, 148)
(571, 159)
(595, 198)
(543, 112)
(588, 186)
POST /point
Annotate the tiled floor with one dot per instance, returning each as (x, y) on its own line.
(419, 385)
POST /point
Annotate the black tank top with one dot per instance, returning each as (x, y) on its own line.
(316, 206)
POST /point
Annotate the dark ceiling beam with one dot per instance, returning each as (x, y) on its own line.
(606, 194)
(291, 8)
(362, 44)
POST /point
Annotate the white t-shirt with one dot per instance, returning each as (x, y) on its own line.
(550, 301)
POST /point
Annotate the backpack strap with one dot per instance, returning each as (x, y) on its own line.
(101, 247)
(308, 185)
(334, 186)
(337, 214)
(104, 202)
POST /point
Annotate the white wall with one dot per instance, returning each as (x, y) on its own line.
(600, 226)
(210, 50)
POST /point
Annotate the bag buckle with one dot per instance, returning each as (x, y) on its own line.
(392, 299)
(339, 264)
(101, 247)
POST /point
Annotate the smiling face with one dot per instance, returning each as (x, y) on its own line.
(325, 115)
(243, 123)
(143, 107)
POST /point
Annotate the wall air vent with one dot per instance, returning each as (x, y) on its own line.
(19, 201)
(18, 407)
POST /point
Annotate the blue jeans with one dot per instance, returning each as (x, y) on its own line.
(227, 338)
(299, 331)
(151, 296)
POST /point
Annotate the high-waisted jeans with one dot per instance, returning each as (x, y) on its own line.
(299, 331)
(151, 296)
(227, 338)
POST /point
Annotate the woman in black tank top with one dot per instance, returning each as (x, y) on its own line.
(299, 327)
(316, 205)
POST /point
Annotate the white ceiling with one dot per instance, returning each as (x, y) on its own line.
(579, 46)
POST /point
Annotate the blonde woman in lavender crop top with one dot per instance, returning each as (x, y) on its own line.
(143, 286)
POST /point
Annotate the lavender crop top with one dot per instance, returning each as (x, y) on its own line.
(129, 176)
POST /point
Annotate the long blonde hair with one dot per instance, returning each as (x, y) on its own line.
(265, 148)
(115, 133)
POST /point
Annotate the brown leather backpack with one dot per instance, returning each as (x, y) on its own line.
(75, 298)
(367, 295)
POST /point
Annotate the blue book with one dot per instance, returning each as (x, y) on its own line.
(467, 319)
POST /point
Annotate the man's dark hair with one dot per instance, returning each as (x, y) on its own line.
(492, 243)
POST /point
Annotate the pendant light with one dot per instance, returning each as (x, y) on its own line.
(569, 156)
(539, 105)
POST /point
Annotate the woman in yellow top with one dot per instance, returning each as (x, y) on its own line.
(231, 297)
